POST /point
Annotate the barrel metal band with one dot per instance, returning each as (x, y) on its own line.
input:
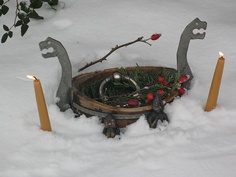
(103, 115)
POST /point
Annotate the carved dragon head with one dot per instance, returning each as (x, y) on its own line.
(196, 24)
(157, 104)
(50, 43)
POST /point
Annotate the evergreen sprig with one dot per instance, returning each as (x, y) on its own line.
(119, 93)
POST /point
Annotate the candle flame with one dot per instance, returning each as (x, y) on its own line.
(31, 77)
(221, 54)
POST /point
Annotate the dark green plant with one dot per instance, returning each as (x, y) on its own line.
(23, 13)
(119, 93)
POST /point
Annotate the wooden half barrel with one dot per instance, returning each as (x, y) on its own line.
(83, 104)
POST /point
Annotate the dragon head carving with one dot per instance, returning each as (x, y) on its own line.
(196, 24)
(64, 89)
(50, 43)
(157, 104)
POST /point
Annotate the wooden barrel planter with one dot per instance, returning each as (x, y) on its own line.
(82, 104)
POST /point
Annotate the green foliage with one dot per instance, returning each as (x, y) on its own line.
(7, 34)
(24, 12)
(4, 9)
(119, 93)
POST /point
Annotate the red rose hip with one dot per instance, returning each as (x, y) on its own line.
(182, 91)
(161, 92)
(155, 36)
(183, 78)
(160, 79)
(150, 96)
(133, 103)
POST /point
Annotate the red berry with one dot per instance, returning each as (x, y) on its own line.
(150, 96)
(147, 101)
(160, 79)
(183, 78)
(133, 103)
(165, 83)
(155, 36)
(182, 91)
(161, 92)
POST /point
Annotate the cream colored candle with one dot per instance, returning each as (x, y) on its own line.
(215, 85)
(42, 108)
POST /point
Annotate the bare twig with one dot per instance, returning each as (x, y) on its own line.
(6, 1)
(140, 39)
(16, 12)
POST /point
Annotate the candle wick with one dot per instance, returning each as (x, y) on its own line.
(35, 78)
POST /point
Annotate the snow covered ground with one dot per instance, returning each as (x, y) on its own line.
(195, 143)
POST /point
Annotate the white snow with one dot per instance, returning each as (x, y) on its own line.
(195, 143)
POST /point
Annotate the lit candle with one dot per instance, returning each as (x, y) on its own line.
(215, 85)
(42, 108)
